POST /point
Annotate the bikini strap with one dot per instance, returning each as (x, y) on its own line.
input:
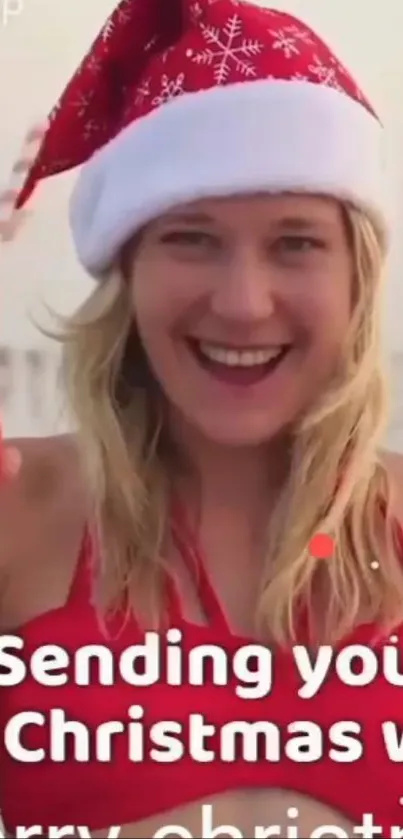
(81, 588)
(174, 602)
(81, 585)
(191, 556)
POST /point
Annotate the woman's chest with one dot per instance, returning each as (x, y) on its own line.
(194, 720)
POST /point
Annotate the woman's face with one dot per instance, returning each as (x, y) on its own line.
(242, 307)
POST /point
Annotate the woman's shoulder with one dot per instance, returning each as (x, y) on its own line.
(54, 450)
(49, 465)
(46, 497)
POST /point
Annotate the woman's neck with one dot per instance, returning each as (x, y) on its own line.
(232, 481)
(228, 495)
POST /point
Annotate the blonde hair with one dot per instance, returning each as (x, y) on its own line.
(337, 482)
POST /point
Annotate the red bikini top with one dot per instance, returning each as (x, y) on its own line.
(122, 790)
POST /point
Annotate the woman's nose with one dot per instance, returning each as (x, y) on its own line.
(244, 290)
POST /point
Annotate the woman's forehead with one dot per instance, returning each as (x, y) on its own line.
(299, 213)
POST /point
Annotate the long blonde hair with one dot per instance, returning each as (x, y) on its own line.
(337, 482)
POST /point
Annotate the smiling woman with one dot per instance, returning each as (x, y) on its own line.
(226, 382)
(253, 306)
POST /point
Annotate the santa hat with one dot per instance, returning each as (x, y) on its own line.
(183, 99)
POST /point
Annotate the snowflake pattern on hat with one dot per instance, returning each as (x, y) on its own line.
(169, 89)
(227, 49)
(122, 15)
(148, 53)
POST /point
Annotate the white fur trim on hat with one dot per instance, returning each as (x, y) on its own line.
(263, 136)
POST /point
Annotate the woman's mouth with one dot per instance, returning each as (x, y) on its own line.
(237, 365)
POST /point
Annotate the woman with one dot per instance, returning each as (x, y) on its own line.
(226, 380)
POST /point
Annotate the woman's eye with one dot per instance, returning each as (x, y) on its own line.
(297, 245)
(189, 238)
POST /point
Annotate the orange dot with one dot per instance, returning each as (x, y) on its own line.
(321, 546)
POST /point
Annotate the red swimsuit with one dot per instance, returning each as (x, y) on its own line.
(99, 794)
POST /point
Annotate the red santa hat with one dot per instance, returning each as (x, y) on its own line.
(182, 99)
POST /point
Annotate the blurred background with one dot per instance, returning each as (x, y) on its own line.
(41, 43)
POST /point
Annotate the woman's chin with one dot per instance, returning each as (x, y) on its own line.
(236, 432)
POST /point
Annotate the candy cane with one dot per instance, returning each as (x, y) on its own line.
(10, 218)
(10, 221)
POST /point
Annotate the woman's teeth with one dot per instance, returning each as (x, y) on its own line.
(239, 358)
